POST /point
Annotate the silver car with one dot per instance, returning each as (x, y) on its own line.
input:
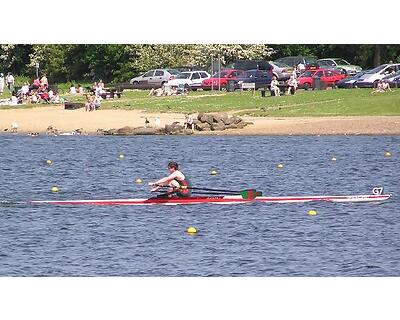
(339, 63)
(371, 78)
(154, 78)
(281, 70)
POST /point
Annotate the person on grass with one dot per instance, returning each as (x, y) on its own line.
(176, 182)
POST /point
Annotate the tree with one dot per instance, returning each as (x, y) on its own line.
(14, 57)
(51, 58)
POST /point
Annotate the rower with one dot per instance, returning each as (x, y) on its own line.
(176, 181)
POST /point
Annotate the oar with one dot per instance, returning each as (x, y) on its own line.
(246, 194)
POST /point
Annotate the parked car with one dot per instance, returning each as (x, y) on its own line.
(329, 77)
(260, 78)
(154, 78)
(394, 82)
(371, 78)
(252, 65)
(309, 62)
(326, 76)
(190, 79)
(338, 63)
(349, 82)
(391, 76)
(305, 81)
(281, 70)
(221, 79)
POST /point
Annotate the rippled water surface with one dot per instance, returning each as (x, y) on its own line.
(232, 240)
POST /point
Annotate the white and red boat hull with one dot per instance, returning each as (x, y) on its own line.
(218, 200)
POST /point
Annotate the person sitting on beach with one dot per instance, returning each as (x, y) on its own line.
(72, 89)
(274, 87)
(33, 98)
(89, 103)
(44, 82)
(13, 100)
(101, 84)
(55, 99)
(36, 83)
(146, 123)
(51, 95)
(24, 91)
(96, 103)
(80, 89)
(99, 90)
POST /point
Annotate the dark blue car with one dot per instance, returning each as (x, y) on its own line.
(394, 82)
(350, 82)
(259, 77)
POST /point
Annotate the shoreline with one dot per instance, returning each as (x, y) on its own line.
(37, 120)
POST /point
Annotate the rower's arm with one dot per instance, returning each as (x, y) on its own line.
(164, 180)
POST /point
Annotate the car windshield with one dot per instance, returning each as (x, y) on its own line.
(307, 74)
(341, 62)
(325, 63)
(377, 69)
(183, 76)
(311, 60)
(223, 74)
(281, 64)
(173, 71)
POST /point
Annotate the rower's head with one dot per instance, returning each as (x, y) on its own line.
(172, 165)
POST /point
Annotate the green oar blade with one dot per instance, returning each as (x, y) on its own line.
(250, 194)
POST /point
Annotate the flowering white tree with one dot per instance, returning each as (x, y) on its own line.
(6, 55)
(144, 57)
(228, 52)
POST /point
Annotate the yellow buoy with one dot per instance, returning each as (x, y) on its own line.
(49, 162)
(139, 181)
(279, 165)
(388, 154)
(213, 172)
(121, 156)
(54, 189)
(312, 213)
(191, 230)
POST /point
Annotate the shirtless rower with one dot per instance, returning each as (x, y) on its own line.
(176, 181)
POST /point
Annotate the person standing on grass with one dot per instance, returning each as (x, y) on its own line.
(1, 83)
(10, 82)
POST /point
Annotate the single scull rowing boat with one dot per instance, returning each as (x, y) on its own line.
(230, 199)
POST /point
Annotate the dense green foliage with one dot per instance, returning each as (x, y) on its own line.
(119, 63)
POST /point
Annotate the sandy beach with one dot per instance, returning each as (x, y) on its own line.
(39, 119)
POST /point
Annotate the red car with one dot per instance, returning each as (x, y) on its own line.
(327, 76)
(226, 74)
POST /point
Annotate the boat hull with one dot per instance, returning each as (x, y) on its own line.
(218, 200)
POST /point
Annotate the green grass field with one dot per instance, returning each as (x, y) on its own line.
(339, 102)
(336, 102)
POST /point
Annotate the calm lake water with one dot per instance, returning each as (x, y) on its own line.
(232, 240)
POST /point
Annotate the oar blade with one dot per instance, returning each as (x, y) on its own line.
(250, 194)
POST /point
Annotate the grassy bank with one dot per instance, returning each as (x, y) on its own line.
(352, 102)
(338, 102)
